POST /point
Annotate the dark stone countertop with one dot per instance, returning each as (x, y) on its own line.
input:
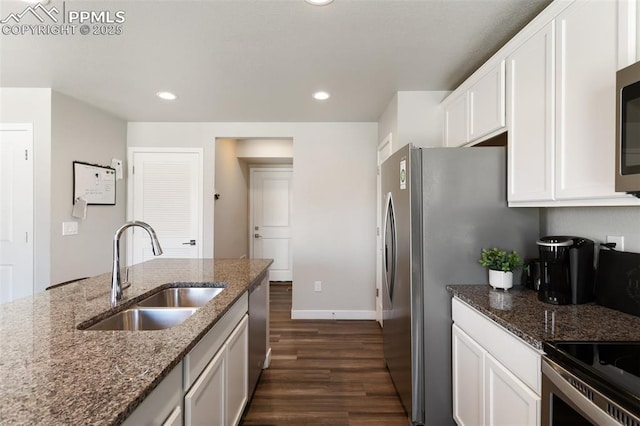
(519, 311)
(51, 373)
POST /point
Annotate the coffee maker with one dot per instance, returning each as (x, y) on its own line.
(566, 270)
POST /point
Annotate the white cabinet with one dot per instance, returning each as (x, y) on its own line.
(487, 103)
(561, 109)
(530, 99)
(496, 376)
(456, 121)
(508, 401)
(215, 377)
(237, 353)
(477, 111)
(205, 403)
(162, 404)
(468, 379)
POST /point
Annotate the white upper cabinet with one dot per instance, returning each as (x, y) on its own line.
(486, 100)
(456, 121)
(478, 111)
(560, 75)
(586, 65)
(530, 100)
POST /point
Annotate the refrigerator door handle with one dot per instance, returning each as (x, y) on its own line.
(389, 243)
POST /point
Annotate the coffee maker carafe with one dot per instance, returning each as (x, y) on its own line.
(566, 270)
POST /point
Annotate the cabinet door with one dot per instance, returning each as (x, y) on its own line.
(486, 100)
(237, 353)
(585, 74)
(508, 401)
(530, 102)
(175, 418)
(468, 379)
(456, 116)
(205, 403)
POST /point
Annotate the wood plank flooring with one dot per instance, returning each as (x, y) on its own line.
(323, 373)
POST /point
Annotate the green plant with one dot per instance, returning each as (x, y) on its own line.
(500, 260)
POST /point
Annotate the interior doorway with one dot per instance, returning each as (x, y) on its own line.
(234, 159)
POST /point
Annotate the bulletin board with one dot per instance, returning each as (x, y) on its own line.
(96, 184)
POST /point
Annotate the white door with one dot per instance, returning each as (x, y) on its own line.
(16, 211)
(271, 199)
(166, 192)
(385, 149)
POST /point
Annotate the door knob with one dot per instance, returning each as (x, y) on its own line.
(257, 236)
(190, 243)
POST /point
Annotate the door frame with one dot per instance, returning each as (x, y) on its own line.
(380, 207)
(252, 170)
(131, 151)
(28, 128)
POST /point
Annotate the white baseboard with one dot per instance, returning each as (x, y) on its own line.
(267, 360)
(333, 315)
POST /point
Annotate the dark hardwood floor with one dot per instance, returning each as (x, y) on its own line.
(323, 373)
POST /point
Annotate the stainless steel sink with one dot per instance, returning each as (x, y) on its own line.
(191, 297)
(140, 318)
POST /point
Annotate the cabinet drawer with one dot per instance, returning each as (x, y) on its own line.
(517, 356)
(196, 360)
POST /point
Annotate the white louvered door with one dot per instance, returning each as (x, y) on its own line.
(167, 194)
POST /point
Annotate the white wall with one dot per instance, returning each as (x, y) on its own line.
(83, 133)
(264, 148)
(594, 223)
(231, 220)
(34, 106)
(413, 117)
(334, 173)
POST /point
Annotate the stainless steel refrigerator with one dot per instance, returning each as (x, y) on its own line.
(441, 207)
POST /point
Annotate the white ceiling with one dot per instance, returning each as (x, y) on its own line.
(260, 60)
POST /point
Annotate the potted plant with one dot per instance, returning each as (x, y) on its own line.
(501, 265)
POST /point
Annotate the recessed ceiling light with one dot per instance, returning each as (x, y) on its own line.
(318, 2)
(321, 96)
(167, 96)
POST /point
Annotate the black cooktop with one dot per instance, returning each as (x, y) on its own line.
(611, 367)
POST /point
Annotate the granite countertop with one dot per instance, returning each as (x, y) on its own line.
(519, 311)
(52, 373)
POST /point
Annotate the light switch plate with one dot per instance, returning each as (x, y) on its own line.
(69, 228)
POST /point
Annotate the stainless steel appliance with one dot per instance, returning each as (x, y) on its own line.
(628, 129)
(586, 383)
(566, 270)
(443, 205)
(258, 306)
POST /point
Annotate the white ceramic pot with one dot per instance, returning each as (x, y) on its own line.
(500, 279)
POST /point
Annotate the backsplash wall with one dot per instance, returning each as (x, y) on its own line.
(594, 223)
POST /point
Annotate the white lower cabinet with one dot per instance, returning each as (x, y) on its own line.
(219, 395)
(496, 376)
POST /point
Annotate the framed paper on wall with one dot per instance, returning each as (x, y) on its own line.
(96, 184)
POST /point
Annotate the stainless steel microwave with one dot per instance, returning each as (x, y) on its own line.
(628, 130)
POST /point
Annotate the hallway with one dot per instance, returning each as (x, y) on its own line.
(323, 373)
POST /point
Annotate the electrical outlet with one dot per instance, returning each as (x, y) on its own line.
(69, 228)
(618, 239)
(318, 286)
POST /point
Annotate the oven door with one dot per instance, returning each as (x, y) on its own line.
(567, 400)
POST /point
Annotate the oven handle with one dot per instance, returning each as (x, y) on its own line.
(559, 376)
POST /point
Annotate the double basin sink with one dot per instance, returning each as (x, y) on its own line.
(165, 308)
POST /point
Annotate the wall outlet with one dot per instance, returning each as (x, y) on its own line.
(618, 239)
(69, 228)
(318, 285)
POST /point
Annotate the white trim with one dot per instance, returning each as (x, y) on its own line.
(388, 140)
(252, 170)
(267, 360)
(333, 315)
(130, 153)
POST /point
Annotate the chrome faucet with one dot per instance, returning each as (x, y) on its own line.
(116, 283)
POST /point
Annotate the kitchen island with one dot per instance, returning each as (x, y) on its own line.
(53, 373)
(520, 312)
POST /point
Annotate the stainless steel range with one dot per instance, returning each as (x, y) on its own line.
(586, 383)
